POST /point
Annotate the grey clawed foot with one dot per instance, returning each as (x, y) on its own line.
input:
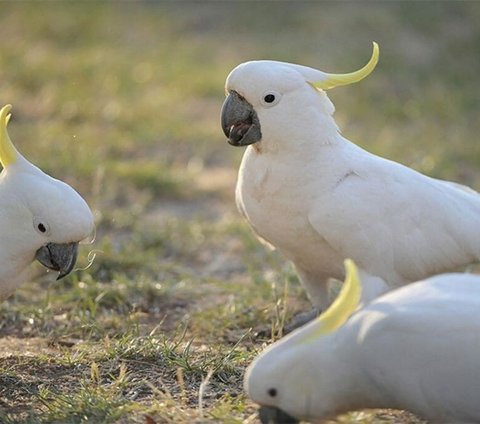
(301, 319)
(297, 321)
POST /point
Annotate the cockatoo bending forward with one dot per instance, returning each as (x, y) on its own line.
(318, 198)
(415, 348)
(40, 217)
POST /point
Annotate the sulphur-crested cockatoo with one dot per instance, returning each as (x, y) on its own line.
(318, 198)
(415, 348)
(40, 217)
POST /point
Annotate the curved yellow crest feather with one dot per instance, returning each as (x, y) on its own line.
(8, 153)
(343, 306)
(335, 80)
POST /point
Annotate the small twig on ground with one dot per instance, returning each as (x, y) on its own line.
(201, 391)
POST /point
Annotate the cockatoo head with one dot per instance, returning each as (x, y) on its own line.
(294, 378)
(268, 101)
(42, 218)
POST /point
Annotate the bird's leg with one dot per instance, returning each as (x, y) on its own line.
(372, 287)
(317, 289)
(297, 321)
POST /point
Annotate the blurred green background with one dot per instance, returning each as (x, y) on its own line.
(121, 84)
(122, 100)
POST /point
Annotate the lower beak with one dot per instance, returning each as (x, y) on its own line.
(272, 415)
(58, 257)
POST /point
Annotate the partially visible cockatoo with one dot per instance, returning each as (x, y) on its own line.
(318, 198)
(40, 217)
(415, 348)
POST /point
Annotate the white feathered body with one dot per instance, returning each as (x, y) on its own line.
(416, 348)
(319, 199)
(420, 348)
(319, 203)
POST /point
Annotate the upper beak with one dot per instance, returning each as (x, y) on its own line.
(240, 122)
(273, 415)
(58, 257)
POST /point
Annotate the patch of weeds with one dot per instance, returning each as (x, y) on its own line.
(263, 302)
(95, 400)
(232, 409)
(171, 354)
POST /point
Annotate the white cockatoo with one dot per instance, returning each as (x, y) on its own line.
(318, 198)
(416, 348)
(40, 217)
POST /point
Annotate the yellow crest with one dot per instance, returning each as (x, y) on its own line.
(343, 306)
(335, 80)
(8, 153)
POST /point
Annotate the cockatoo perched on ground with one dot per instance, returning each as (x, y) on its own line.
(40, 217)
(416, 348)
(318, 198)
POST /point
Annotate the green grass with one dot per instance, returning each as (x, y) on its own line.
(122, 100)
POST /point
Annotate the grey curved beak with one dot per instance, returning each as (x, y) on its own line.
(240, 122)
(58, 257)
(272, 415)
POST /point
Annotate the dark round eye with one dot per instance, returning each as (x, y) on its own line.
(272, 392)
(41, 226)
(269, 98)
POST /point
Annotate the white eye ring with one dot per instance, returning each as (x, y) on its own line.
(41, 226)
(270, 98)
